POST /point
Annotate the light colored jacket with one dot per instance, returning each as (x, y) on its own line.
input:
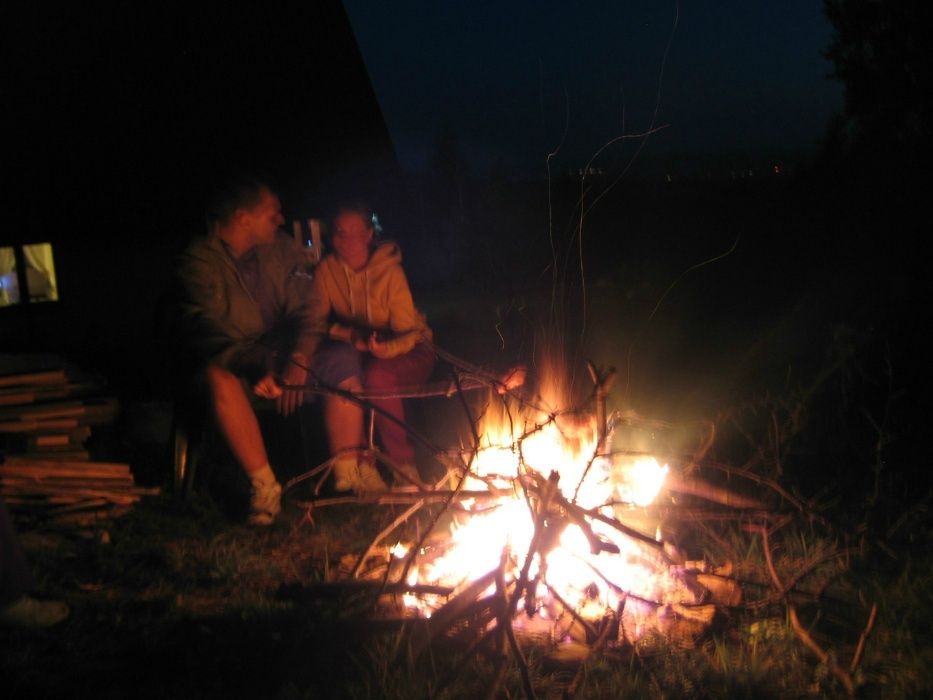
(376, 298)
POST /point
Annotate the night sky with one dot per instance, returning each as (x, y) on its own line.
(509, 79)
(122, 117)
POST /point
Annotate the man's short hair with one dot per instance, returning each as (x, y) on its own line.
(240, 191)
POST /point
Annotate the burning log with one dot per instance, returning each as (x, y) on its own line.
(443, 618)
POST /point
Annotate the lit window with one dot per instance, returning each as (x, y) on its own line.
(40, 272)
(31, 267)
(9, 284)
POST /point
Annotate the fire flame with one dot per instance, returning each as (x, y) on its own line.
(591, 582)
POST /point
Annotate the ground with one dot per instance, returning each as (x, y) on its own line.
(180, 599)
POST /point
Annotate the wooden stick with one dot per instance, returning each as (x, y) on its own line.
(450, 611)
(331, 589)
(414, 508)
(33, 425)
(860, 648)
(746, 473)
(91, 504)
(52, 376)
(32, 462)
(42, 487)
(823, 656)
(124, 499)
(110, 484)
(710, 492)
(505, 622)
(799, 630)
(60, 409)
(590, 630)
(600, 642)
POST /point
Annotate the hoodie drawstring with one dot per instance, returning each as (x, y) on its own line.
(346, 273)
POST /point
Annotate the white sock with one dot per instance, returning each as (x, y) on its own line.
(262, 476)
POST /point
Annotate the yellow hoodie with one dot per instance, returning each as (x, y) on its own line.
(376, 298)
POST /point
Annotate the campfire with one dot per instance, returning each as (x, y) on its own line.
(550, 518)
(549, 535)
(554, 529)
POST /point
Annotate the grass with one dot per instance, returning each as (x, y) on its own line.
(180, 600)
(177, 601)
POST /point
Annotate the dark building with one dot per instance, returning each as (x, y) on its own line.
(123, 116)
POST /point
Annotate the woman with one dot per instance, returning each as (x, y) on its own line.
(375, 343)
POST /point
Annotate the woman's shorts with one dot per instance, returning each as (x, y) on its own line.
(335, 362)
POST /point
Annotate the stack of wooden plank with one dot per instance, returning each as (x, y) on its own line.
(69, 492)
(49, 410)
(47, 413)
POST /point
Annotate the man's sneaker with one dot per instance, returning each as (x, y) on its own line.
(370, 479)
(265, 502)
(33, 614)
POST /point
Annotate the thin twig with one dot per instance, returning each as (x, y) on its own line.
(823, 656)
(860, 647)
(590, 630)
(414, 508)
(505, 622)
(597, 646)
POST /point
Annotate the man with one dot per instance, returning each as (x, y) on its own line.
(247, 322)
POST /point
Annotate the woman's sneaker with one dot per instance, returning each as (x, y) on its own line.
(370, 479)
(346, 473)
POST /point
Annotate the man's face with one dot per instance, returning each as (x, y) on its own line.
(352, 235)
(264, 219)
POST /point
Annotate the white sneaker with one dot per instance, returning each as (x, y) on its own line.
(346, 474)
(370, 479)
(265, 502)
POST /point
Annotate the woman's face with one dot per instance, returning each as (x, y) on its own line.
(351, 239)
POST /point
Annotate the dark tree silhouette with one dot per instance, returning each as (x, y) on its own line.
(881, 53)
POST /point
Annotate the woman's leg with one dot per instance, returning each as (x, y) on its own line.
(338, 365)
(343, 419)
(389, 375)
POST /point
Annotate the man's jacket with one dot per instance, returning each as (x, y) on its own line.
(223, 321)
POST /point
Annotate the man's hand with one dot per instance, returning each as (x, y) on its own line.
(294, 375)
(267, 388)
